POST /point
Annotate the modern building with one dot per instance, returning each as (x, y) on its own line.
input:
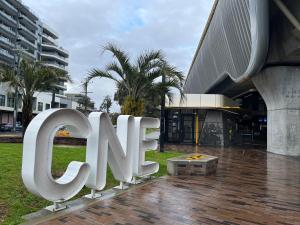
(52, 54)
(22, 34)
(250, 52)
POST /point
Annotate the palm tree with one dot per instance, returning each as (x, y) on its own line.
(139, 83)
(33, 77)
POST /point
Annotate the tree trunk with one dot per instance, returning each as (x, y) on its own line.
(162, 118)
(53, 100)
(26, 113)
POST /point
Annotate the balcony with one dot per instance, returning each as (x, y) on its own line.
(28, 54)
(60, 87)
(7, 30)
(54, 56)
(56, 66)
(62, 51)
(6, 53)
(6, 42)
(8, 7)
(26, 42)
(30, 34)
(47, 38)
(27, 22)
(9, 19)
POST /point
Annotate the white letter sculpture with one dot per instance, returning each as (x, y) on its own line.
(37, 155)
(123, 150)
(143, 144)
(108, 146)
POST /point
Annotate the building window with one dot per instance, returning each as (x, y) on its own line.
(10, 101)
(40, 106)
(47, 106)
(33, 104)
(20, 103)
(63, 106)
(2, 100)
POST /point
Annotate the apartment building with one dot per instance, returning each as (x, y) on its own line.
(22, 34)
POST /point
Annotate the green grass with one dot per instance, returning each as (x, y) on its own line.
(16, 201)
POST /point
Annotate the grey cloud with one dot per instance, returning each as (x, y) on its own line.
(135, 25)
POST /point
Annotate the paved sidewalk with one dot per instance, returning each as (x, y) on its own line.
(250, 187)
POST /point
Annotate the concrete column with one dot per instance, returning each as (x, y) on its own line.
(280, 89)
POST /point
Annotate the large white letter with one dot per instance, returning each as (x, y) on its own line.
(145, 143)
(37, 155)
(105, 145)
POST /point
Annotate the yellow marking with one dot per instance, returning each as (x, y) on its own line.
(196, 157)
(197, 129)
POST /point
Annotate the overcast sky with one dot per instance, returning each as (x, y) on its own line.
(175, 26)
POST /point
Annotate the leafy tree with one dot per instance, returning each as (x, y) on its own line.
(106, 104)
(139, 86)
(33, 77)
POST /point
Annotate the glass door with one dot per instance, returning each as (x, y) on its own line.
(188, 128)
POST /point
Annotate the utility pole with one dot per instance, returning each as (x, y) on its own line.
(162, 117)
(85, 92)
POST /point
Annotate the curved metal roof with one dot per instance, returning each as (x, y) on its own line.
(234, 44)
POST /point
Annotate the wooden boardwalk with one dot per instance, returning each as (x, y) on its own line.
(250, 187)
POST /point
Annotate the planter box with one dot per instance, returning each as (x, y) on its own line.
(186, 165)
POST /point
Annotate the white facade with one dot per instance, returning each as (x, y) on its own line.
(202, 101)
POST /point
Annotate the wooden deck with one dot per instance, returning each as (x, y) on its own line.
(250, 187)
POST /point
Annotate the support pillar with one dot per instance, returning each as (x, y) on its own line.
(280, 89)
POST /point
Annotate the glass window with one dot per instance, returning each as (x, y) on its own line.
(33, 104)
(10, 101)
(47, 106)
(40, 106)
(20, 101)
(2, 100)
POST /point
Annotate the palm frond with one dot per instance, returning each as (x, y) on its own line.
(114, 67)
(121, 57)
(149, 61)
(95, 73)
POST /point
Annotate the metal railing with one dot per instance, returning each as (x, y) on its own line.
(8, 29)
(6, 53)
(8, 16)
(6, 40)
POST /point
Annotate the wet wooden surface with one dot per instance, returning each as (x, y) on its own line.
(250, 187)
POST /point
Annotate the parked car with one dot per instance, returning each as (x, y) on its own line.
(19, 127)
(2, 127)
(8, 127)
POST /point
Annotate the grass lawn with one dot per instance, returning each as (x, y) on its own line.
(16, 201)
